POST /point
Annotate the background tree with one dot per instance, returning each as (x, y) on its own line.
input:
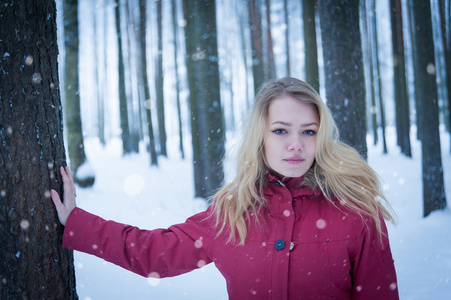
(255, 24)
(123, 105)
(270, 65)
(207, 128)
(33, 265)
(144, 82)
(177, 77)
(401, 97)
(311, 49)
(445, 21)
(342, 51)
(75, 144)
(428, 121)
(159, 82)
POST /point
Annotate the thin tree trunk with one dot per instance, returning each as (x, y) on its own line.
(123, 107)
(401, 97)
(255, 25)
(33, 263)
(311, 49)
(287, 36)
(270, 65)
(433, 186)
(446, 38)
(75, 143)
(379, 82)
(159, 83)
(368, 26)
(177, 78)
(144, 81)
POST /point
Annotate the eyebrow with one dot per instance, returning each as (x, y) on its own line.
(289, 124)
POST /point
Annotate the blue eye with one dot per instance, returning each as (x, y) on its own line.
(279, 131)
(310, 132)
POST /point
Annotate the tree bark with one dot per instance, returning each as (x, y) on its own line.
(33, 263)
(401, 97)
(425, 77)
(311, 48)
(207, 124)
(342, 51)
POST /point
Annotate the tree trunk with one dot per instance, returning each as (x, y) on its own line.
(368, 40)
(433, 187)
(270, 63)
(255, 25)
(177, 78)
(207, 124)
(287, 36)
(401, 97)
(446, 37)
(123, 107)
(159, 83)
(33, 263)
(75, 142)
(144, 81)
(311, 49)
(345, 88)
(379, 81)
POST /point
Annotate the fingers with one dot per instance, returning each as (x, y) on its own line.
(65, 207)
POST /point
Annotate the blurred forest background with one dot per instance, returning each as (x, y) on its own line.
(180, 72)
(158, 72)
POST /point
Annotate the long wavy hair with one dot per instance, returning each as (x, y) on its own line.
(339, 171)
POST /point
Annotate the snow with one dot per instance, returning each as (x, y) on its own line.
(128, 190)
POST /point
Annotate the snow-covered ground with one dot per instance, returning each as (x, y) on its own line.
(128, 190)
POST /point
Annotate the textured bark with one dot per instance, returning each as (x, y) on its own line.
(401, 97)
(342, 51)
(33, 265)
(207, 125)
(311, 49)
(426, 85)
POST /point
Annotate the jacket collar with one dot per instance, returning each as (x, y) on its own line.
(279, 191)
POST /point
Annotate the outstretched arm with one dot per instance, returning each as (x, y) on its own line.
(65, 208)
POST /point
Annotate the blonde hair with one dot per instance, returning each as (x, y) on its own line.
(339, 171)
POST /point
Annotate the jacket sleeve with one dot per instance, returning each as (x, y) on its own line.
(151, 253)
(373, 270)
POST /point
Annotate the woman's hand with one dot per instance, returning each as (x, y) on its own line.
(65, 208)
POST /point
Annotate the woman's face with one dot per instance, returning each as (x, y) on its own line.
(290, 136)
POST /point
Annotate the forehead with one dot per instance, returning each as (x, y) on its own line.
(287, 107)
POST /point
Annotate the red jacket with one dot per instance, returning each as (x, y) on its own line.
(303, 248)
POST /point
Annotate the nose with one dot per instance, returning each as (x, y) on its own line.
(295, 143)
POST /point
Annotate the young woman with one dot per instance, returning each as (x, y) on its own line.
(303, 218)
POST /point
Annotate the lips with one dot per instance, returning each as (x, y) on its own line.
(294, 160)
